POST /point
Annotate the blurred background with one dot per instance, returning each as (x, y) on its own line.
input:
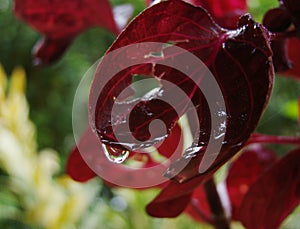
(36, 135)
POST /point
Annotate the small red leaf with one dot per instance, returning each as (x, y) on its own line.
(171, 208)
(277, 20)
(293, 8)
(244, 171)
(173, 144)
(293, 49)
(198, 207)
(173, 199)
(47, 50)
(274, 195)
(76, 166)
(62, 21)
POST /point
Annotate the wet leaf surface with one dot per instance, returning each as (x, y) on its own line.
(240, 61)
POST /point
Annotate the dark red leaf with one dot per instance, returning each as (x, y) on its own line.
(198, 207)
(173, 30)
(172, 144)
(90, 148)
(293, 8)
(277, 20)
(173, 199)
(281, 60)
(244, 171)
(225, 13)
(174, 207)
(47, 50)
(62, 21)
(240, 61)
(76, 166)
(237, 62)
(274, 195)
(293, 48)
(286, 55)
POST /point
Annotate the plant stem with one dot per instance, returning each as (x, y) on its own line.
(270, 139)
(219, 219)
(284, 35)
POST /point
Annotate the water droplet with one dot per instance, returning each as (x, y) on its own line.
(218, 135)
(115, 155)
(192, 151)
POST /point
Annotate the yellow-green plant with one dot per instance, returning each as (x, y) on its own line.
(46, 201)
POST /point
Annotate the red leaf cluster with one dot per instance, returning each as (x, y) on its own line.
(240, 60)
(242, 174)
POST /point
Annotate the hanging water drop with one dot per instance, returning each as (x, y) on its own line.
(115, 155)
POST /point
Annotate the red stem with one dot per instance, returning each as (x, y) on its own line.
(219, 219)
(270, 139)
(299, 110)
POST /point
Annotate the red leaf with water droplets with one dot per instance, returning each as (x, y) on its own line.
(274, 195)
(61, 21)
(244, 171)
(240, 61)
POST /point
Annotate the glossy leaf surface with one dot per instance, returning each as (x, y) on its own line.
(240, 61)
